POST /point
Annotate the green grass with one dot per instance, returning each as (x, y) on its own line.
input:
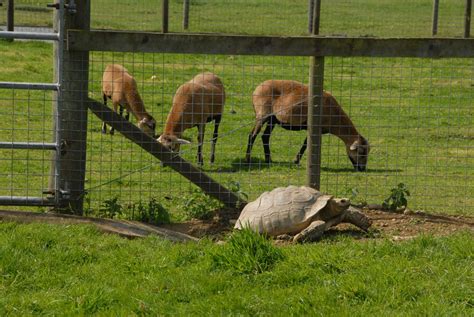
(74, 270)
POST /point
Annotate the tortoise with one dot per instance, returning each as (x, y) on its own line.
(299, 214)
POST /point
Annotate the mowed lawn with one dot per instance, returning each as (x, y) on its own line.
(416, 113)
(74, 270)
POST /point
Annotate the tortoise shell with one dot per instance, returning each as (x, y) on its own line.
(283, 210)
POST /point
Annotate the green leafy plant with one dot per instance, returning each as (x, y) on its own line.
(110, 208)
(197, 205)
(152, 212)
(397, 198)
(235, 187)
(246, 252)
(353, 195)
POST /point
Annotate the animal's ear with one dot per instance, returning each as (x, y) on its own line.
(354, 146)
(181, 141)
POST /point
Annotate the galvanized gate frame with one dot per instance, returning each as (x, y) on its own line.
(66, 184)
(55, 193)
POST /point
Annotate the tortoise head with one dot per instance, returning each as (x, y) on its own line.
(336, 206)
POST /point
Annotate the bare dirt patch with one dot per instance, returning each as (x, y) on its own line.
(396, 226)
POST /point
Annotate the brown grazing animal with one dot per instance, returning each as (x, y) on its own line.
(285, 102)
(119, 86)
(196, 102)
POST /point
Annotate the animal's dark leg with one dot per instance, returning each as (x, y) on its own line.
(252, 136)
(201, 130)
(120, 112)
(266, 140)
(217, 121)
(301, 152)
(127, 115)
(104, 125)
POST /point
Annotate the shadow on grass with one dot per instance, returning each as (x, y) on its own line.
(256, 164)
(334, 233)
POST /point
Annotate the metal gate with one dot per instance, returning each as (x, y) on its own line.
(52, 195)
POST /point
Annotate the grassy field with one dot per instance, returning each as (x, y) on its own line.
(416, 113)
(74, 270)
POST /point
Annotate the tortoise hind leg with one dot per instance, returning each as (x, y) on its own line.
(357, 218)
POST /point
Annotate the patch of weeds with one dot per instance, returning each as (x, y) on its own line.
(353, 195)
(397, 198)
(152, 212)
(198, 205)
(246, 252)
(235, 187)
(110, 208)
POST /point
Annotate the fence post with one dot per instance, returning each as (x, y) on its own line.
(164, 16)
(434, 26)
(185, 14)
(467, 19)
(310, 16)
(10, 17)
(315, 98)
(71, 122)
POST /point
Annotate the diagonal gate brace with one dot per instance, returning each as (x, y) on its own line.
(169, 158)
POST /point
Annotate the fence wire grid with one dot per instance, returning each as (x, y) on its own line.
(416, 113)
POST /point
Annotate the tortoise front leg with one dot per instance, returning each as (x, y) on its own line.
(357, 218)
(316, 229)
(311, 233)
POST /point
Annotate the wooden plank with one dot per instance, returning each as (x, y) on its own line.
(124, 228)
(169, 158)
(267, 45)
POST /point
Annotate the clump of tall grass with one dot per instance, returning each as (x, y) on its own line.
(246, 252)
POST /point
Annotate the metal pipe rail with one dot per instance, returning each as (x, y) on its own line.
(28, 146)
(26, 201)
(28, 86)
(29, 36)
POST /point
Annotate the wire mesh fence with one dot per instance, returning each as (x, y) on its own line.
(415, 113)
(26, 117)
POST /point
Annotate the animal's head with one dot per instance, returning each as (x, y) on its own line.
(338, 205)
(148, 125)
(358, 153)
(172, 142)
